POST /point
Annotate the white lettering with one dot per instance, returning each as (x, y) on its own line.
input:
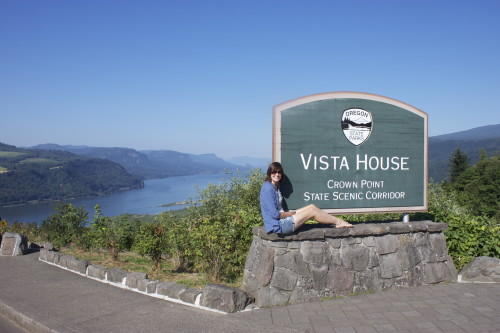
(342, 196)
(306, 165)
(372, 183)
(384, 195)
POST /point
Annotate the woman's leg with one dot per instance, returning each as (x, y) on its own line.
(313, 212)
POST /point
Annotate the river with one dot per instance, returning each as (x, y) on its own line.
(148, 200)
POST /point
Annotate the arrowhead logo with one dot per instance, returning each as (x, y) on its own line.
(357, 125)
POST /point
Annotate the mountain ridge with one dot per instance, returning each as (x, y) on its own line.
(35, 175)
(150, 164)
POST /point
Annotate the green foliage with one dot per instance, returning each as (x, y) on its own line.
(468, 235)
(67, 225)
(372, 217)
(151, 240)
(178, 238)
(113, 234)
(479, 187)
(30, 230)
(216, 232)
(459, 162)
(3, 227)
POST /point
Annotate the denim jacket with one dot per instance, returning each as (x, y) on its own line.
(270, 207)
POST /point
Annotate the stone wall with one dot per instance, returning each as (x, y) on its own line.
(320, 261)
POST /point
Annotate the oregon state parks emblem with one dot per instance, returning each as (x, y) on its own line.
(357, 125)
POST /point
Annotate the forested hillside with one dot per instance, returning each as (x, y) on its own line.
(151, 164)
(38, 175)
(471, 142)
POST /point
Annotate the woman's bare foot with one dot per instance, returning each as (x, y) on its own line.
(343, 224)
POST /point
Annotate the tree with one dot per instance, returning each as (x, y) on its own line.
(66, 225)
(151, 240)
(480, 187)
(459, 162)
(113, 234)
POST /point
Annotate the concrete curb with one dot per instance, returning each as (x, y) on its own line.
(224, 303)
(24, 321)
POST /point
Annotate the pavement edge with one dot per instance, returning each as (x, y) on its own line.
(24, 321)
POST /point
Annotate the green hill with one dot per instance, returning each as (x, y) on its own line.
(150, 164)
(32, 175)
(471, 142)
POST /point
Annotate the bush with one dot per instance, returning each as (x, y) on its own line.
(30, 230)
(468, 236)
(67, 225)
(151, 240)
(113, 234)
(216, 233)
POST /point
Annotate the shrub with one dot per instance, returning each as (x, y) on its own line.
(113, 234)
(67, 225)
(30, 230)
(151, 240)
(216, 233)
(467, 236)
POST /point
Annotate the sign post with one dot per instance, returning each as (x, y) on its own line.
(349, 152)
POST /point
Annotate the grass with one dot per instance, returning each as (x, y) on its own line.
(39, 161)
(10, 154)
(132, 262)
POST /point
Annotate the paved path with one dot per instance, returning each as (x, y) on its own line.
(439, 308)
(46, 298)
(8, 326)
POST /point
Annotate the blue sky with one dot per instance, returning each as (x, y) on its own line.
(203, 76)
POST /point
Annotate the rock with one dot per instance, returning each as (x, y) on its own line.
(264, 265)
(315, 252)
(386, 244)
(438, 272)
(283, 279)
(147, 285)
(170, 289)
(50, 256)
(133, 278)
(63, 260)
(96, 272)
(79, 266)
(390, 266)
(355, 257)
(189, 295)
(43, 254)
(13, 244)
(271, 296)
(481, 269)
(115, 275)
(47, 245)
(340, 280)
(224, 298)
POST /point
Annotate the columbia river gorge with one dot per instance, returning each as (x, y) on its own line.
(158, 195)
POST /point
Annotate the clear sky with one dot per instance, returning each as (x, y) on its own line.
(203, 76)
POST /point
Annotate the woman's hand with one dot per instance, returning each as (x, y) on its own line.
(286, 214)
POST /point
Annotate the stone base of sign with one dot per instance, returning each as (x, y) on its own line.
(321, 262)
(13, 244)
(481, 269)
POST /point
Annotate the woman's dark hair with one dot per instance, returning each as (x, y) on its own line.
(275, 166)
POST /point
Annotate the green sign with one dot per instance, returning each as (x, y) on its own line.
(352, 152)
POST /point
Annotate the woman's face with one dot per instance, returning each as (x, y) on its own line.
(276, 176)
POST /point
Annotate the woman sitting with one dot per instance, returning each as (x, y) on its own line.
(276, 219)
